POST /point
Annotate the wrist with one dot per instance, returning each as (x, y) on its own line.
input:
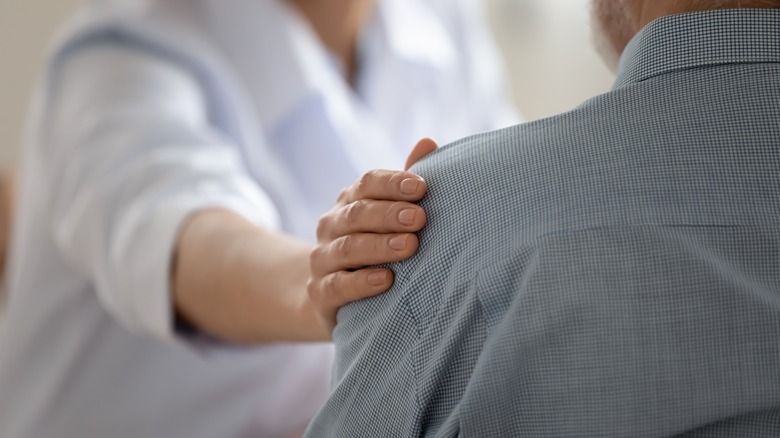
(311, 323)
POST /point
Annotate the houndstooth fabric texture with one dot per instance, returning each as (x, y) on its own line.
(609, 272)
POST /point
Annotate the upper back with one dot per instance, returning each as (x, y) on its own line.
(608, 271)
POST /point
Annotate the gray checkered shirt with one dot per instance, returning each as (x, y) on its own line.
(611, 271)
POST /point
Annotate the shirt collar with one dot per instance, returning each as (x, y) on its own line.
(281, 56)
(684, 41)
(415, 33)
(295, 66)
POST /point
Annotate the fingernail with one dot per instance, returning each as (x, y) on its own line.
(377, 278)
(398, 243)
(406, 217)
(409, 186)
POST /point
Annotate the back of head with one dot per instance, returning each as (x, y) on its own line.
(616, 22)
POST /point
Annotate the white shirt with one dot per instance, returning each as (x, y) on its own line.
(151, 111)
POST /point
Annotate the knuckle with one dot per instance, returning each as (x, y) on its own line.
(359, 282)
(369, 182)
(352, 213)
(373, 175)
(323, 225)
(393, 183)
(330, 284)
(312, 289)
(396, 178)
(364, 182)
(344, 246)
(381, 245)
(364, 178)
(334, 287)
(343, 195)
(391, 215)
(314, 256)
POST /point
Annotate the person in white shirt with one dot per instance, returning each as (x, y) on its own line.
(181, 154)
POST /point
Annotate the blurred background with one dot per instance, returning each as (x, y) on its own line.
(546, 44)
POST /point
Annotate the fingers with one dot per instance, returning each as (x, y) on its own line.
(371, 216)
(372, 223)
(387, 185)
(421, 149)
(336, 289)
(339, 288)
(362, 249)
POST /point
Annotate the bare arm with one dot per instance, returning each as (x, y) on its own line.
(242, 283)
(246, 284)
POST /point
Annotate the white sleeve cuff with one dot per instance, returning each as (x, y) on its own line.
(140, 283)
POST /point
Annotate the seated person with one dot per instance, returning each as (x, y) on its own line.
(610, 271)
(180, 155)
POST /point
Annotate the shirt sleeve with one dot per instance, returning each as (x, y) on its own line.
(131, 155)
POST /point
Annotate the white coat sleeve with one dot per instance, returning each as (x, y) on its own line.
(131, 155)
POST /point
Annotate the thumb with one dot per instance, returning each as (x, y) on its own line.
(421, 149)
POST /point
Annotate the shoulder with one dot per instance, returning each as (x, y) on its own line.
(145, 46)
(541, 147)
(107, 73)
(170, 29)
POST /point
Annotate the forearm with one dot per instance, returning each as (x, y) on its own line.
(241, 283)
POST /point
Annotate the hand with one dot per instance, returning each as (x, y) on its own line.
(373, 222)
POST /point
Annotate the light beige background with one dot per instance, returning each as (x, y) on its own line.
(25, 28)
(546, 44)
